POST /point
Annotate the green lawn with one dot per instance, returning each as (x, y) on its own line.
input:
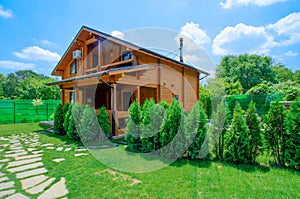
(86, 177)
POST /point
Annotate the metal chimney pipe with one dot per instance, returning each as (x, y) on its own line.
(180, 49)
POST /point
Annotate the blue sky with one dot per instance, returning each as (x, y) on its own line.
(35, 34)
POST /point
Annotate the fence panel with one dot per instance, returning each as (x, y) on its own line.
(23, 111)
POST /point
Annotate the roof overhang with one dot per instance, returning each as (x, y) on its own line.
(111, 72)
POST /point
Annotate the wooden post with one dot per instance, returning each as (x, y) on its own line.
(114, 109)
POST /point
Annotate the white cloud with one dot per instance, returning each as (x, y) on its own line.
(193, 36)
(288, 26)
(118, 34)
(242, 38)
(46, 42)
(5, 13)
(232, 3)
(290, 54)
(7, 64)
(37, 53)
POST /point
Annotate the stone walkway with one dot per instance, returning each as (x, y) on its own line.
(22, 157)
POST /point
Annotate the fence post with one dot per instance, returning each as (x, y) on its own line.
(47, 111)
(14, 112)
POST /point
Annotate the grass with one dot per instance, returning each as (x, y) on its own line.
(86, 176)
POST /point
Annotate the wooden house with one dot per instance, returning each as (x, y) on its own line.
(101, 70)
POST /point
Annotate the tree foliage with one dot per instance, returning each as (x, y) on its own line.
(255, 131)
(26, 84)
(104, 121)
(238, 147)
(59, 120)
(274, 132)
(249, 70)
(292, 123)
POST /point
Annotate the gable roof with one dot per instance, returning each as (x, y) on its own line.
(84, 30)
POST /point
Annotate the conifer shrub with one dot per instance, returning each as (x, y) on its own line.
(134, 122)
(75, 121)
(104, 121)
(292, 123)
(196, 120)
(238, 147)
(255, 131)
(274, 133)
(67, 115)
(59, 120)
(89, 131)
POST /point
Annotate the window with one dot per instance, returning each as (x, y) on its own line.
(73, 67)
(93, 56)
(72, 97)
(126, 55)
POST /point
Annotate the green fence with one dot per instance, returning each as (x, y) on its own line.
(23, 111)
(262, 102)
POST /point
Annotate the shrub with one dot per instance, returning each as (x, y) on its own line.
(89, 127)
(75, 122)
(274, 133)
(104, 121)
(292, 123)
(199, 116)
(238, 148)
(254, 126)
(133, 127)
(174, 120)
(58, 120)
(67, 115)
(152, 125)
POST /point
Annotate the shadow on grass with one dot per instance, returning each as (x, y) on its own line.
(247, 167)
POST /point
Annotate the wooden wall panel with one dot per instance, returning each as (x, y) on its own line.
(191, 93)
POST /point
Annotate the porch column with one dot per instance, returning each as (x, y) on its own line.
(114, 109)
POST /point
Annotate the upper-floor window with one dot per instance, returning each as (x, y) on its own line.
(73, 67)
(93, 55)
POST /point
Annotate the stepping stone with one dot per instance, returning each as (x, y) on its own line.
(1, 174)
(31, 149)
(4, 139)
(33, 181)
(17, 196)
(28, 156)
(58, 159)
(4, 160)
(80, 150)
(36, 152)
(5, 145)
(59, 148)
(21, 162)
(34, 172)
(3, 179)
(80, 154)
(16, 148)
(1, 150)
(68, 149)
(39, 188)
(15, 154)
(6, 185)
(8, 192)
(50, 147)
(47, 144)
(25, 167)
(58, 190)
(16, 151)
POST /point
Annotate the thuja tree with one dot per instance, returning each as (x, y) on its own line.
(146, 134)
(238, 148)
(199, 116)
(89, 127)
(66, 108)
(59, 120)
(218, 128)
(174, 120)
(292, 123)
(134, 127)
(253, 123)
(75, 121)
(67, 115)
(104, 121)
(274, 132)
